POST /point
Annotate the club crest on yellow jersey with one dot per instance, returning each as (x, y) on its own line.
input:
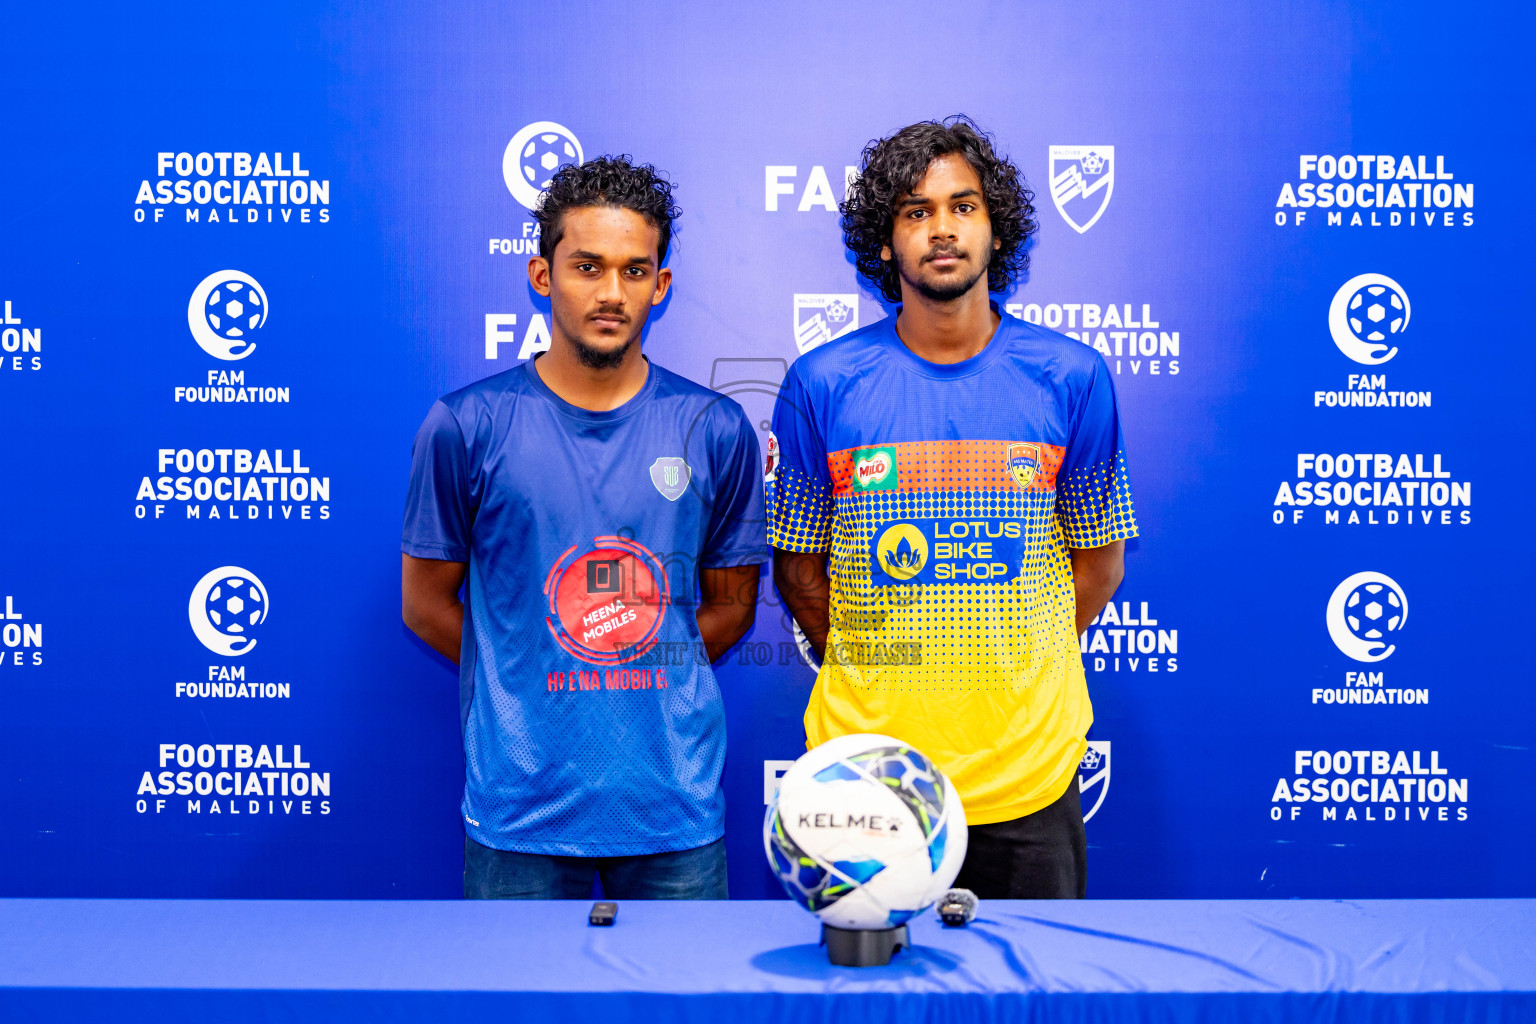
(1023, 461)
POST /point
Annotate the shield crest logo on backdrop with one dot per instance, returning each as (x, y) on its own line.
(1082, 180)
(1093, 777)
(670, 474)
(1023, 460)
(820, 318)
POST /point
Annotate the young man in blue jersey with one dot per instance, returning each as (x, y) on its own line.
(606, 517)
(948, 504)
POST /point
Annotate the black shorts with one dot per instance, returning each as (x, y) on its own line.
(1041, 856)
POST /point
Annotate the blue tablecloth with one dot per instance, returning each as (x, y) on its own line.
(1420, 960)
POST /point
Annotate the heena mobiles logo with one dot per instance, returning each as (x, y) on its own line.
(1365, 613)
(226, 607)
(606, 605)
(227, 310)
(533, 156)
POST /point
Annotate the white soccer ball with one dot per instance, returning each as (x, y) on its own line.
(865, 832)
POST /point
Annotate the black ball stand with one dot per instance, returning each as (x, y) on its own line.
(849, 948)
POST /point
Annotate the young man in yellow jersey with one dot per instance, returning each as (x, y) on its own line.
(948, 504)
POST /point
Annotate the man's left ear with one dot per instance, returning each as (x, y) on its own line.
(663, 283)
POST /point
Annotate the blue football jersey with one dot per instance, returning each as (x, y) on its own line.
(592, 721)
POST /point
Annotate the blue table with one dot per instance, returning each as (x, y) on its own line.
(741, 962)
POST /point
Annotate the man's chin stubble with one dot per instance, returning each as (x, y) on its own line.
(601, 359)
(948, 291)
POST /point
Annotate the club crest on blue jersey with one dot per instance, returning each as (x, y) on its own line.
(1023, 460)
(671, 474)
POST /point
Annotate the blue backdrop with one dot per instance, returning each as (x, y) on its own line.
(1314, 453)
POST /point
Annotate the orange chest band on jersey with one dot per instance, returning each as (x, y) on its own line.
(913, 466)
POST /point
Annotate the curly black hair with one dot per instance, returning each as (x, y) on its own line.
(891, 169)
(607, 181)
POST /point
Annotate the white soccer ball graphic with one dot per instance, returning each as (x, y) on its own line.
(865, 832)
(233, 310)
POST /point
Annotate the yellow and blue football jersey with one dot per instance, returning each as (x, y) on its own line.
(948, 496)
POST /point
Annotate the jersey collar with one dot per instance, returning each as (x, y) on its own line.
(947, 371)
(576, 412)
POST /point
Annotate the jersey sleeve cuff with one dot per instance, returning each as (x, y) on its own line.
(735, 559)
(1100, 538)
(799, 547)
(435, 551)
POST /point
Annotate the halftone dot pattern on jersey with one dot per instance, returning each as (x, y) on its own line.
(799, 512)
(950, 465)
(1095, 505)
(973, 636)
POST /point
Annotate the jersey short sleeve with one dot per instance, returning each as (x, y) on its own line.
(735, 532)
(1093, 500)
(798, 484)
(438, 508)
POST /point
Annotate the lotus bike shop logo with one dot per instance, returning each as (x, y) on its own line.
(901, 552)
(1082, 180)
(1367, 314)
(226, 607)
(1367, 611)
(1093, 777)
(606, 605)
(671, 474)
(822, 318)
(533, 156)
(226, 312)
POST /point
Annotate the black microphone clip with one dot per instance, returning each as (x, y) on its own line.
(957, 908)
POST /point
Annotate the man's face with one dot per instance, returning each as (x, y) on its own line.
(942, 239)
(602, 281)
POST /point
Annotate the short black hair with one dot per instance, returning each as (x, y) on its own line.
(891, 169)
(606, 181)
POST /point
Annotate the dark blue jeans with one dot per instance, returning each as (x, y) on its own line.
(697, 874)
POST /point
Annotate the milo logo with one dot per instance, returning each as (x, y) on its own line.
(874, 470)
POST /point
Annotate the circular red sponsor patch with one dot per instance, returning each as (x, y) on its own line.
(606, 606)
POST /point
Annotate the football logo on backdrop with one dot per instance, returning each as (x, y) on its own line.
(533, 156)
(1082, 180)
(606, 605)
(226, 607)
(1093, 777)
(1365, 613)
(225, 313)
(1367, 314)
(1023, 460)
(671, 474)
(821, 318)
